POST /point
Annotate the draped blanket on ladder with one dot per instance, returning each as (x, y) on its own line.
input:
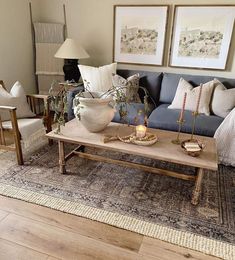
(48, 39)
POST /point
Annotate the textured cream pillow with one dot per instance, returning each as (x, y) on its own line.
(223, 99)
(129, 86)
(100, 78)
(16, 98)
(192, 96)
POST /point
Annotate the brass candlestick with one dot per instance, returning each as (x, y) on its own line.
(180, 122)
(195, 114)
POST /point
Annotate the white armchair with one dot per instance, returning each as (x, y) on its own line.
(14, 125)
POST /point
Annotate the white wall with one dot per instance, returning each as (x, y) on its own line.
(91, 21)
(16, 51)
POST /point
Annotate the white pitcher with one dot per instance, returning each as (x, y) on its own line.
(95, 113)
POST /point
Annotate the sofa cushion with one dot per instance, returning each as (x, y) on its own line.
(98, 79)
(170, 82)
(135, 114)
(128, 89)
(164, 118)
(149, 80)
(223, 100)
(192, 97)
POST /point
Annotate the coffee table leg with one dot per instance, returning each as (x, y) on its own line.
(197, 188)
(61, 157)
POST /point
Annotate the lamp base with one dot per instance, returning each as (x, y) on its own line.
(71, 71)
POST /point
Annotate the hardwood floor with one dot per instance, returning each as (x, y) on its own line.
(31, 232)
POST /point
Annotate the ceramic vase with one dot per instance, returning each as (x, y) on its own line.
(94, 113)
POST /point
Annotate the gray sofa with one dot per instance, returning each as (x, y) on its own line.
(162, 88)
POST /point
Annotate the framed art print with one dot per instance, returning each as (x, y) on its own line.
(201, 36)
(139, 34)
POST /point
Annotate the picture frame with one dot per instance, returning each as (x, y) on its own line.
(139, 34)
(201, 36)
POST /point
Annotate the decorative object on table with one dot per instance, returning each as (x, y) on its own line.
(96, 118)
(140, 131)
(180, 121)
(132, 134)
(223, 99)
(196, 113)
(139, 34)
(192, 94)
(58, 94)
(146, 140)
(94, 110)
(71, 51)
(192, 147)
(109, 138)
(202, 42)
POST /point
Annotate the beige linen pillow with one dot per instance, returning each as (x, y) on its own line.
(129, 86)
(223, 99)
(192, 96)
(100, 79)
(16, 98)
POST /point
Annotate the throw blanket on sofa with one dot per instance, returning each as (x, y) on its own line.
(225, 139)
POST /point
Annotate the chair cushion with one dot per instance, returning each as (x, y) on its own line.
(16, 98)
(164, 118)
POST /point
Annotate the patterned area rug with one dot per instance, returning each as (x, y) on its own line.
(129, 198)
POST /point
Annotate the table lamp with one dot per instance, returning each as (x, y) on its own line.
(71, 51)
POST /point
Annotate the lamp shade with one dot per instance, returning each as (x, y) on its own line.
(71, 49)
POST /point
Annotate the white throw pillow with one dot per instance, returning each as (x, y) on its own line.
(100, 79)
(223, 99)
(192, 96)
(16, 98)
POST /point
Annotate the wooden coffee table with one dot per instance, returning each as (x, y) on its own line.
(75, 133)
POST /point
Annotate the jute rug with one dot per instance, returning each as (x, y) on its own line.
(152, 205)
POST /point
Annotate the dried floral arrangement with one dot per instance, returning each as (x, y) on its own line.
(120, 98)
(59, 103)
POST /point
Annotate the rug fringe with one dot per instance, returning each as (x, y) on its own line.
(180, 238)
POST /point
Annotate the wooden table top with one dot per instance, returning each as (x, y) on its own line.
(74, 132)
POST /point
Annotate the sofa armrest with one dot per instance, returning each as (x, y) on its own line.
(70, 96)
